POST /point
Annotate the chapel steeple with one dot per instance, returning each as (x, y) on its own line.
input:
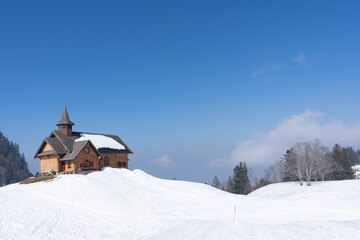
(65, 124)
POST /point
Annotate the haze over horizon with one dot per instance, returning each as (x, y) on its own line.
(191, 87)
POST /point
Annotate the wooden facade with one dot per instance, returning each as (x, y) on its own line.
(65, 151)
(115, 160)
(88, 159)
(47, 147)
(48, 163)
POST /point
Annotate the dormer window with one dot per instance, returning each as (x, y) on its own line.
(86, 150)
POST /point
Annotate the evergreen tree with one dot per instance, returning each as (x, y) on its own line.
(246, 180)
(348, 172)
(241, 182)
(291, 171)
(216, 182)
(263, 182)
(343, 170)
(237, 178)
(9, 174)
(352, 156)
(12, 164)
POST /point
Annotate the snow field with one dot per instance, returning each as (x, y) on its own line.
(124, 204)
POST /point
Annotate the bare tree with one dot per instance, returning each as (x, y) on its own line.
(325, 161)
(229, 185)
(308, 161)
(267, 175)
(308, 156)
(275, 172)
(252, 177)
(223, 186)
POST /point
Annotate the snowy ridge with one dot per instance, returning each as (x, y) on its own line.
(124, 204)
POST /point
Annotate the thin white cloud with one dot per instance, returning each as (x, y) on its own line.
(263, 149)
(164, 161)
(269, 69)
(258, 72)
(265, 70)
(300, 58)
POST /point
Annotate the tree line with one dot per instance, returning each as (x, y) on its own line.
(239, 183)
(13, 167)
(303, 162)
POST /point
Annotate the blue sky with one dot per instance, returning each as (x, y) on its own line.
(183, 83)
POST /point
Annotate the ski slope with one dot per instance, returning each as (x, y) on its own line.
(124, 204)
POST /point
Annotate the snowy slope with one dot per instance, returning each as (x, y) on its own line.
(123, 204)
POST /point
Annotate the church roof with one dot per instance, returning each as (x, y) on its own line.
(64, 120)
(67, 142)
(78, 147)
(69, 148)
(56, 145)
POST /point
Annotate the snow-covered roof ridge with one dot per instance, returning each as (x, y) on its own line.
(101, 141)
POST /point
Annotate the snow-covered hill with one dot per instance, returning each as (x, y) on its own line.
(123, 204)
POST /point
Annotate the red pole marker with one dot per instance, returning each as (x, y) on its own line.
(234, 213)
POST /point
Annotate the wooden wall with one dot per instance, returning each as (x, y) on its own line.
(114, 158)
(72, 166)
(48, 163)
(47, 147)
(82, 157)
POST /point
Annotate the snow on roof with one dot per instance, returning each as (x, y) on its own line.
(100, 141)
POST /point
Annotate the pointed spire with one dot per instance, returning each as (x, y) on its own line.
(65, 120)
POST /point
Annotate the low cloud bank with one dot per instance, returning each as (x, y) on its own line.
(263, 149)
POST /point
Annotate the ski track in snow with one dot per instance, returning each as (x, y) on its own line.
(124, 204)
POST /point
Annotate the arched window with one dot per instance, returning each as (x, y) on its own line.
(106, 161)
(124, 164)
(119, 164)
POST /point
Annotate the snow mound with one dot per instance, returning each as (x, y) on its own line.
(124, 204)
